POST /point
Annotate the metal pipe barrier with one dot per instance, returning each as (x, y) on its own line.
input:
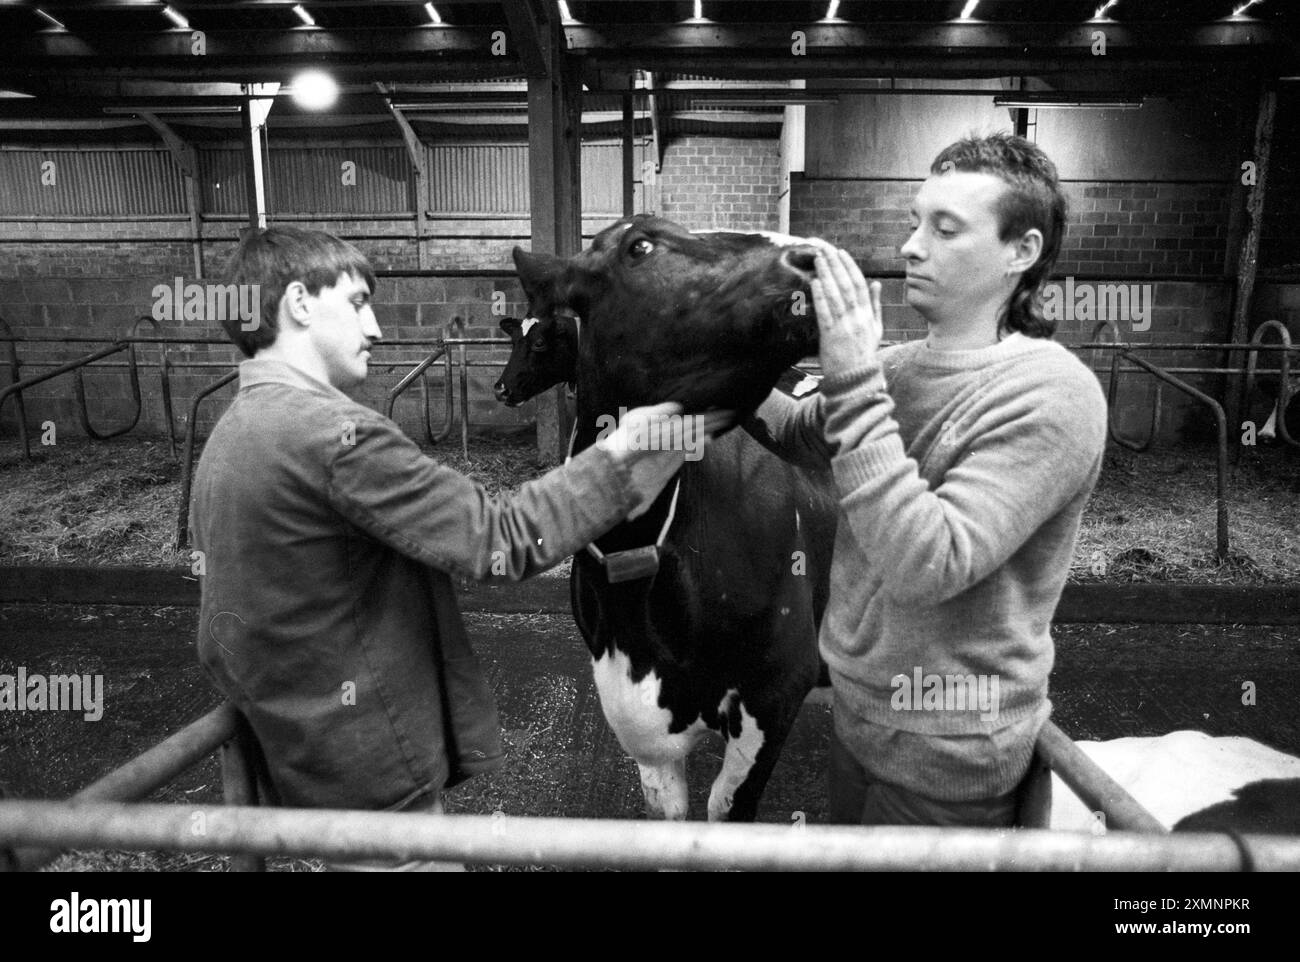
(1221, 428)
(458, 326)
(622, 844)
(1284, 372)
(451, 339)
(33, 832)
(1097, 790)
(1220, 422)
(80, 387)
(448, 400)
(35, 379)
(15, 376)
(187, 460)
(425, 342)
(146, 773)
(224, 342)
(1112, 393)
(167, 364)
(77, 367)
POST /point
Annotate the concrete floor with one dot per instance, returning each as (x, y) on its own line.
(1109, 681)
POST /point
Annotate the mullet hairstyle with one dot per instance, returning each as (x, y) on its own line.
(1033, 199)
(276, 257)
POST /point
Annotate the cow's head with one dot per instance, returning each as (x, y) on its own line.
(709, 320)
(543, 352)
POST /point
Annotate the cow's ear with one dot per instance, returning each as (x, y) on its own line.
(512, 327)
(536, 271)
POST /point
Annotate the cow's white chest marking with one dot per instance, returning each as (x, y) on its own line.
(633, 711)
(641, 726)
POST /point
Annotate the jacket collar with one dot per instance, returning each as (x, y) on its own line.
(266, 371)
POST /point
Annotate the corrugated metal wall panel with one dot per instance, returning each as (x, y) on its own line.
(94, 183)
(602, 179)
(311, 180)
(493, 179)
(479, 179)
(221, 180)
(464, 178)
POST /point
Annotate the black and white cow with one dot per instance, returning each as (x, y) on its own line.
(720, 632)
(1190, 781)
(544, 352)
(650, 294)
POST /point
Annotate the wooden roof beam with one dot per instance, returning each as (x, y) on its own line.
(134, 46)
(530, 23)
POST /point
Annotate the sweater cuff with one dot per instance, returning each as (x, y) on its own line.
(857, 408)
(867, 462)
(868, 375)
(607, 474)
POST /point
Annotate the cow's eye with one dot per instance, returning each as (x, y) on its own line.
(537, 347)
(640, 248)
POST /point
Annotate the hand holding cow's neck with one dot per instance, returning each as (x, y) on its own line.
(651, 467)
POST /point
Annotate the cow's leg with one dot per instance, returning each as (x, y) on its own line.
(645, 729)
(664, 786)
(741, 763)
(737, 765)
(751, 756)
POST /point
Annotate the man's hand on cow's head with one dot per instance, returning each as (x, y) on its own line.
(848, 311)
(655, 441)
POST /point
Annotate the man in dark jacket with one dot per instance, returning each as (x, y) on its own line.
(327, 540)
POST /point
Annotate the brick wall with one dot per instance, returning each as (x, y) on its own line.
(96, 277)
(1120, 230)
(1116, 233)
(1279, 301)
(420, 307)
(721, 182)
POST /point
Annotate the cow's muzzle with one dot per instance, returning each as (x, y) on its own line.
(503, 395)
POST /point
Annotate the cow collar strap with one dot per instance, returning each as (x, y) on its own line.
(631, 563)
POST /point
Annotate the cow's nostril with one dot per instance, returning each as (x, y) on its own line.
(801, 260)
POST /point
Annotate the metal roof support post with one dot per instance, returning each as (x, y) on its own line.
(1247, 259)
(414, 150)
(186, 158)
(253, 114)
(554, 168)
(629, 160)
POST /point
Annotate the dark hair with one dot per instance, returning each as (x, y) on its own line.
(276, 257)
(1033, 199)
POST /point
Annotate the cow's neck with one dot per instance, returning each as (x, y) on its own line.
(644, 530)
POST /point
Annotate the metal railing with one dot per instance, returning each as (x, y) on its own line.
(417, 372)
(15, 376)
(187, 460)
(1122, 350)
(1284, 373)
(32, 833)
(146, 773)
(77, 367)
(453, 337)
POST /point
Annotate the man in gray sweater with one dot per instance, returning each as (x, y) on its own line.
(963, 462)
